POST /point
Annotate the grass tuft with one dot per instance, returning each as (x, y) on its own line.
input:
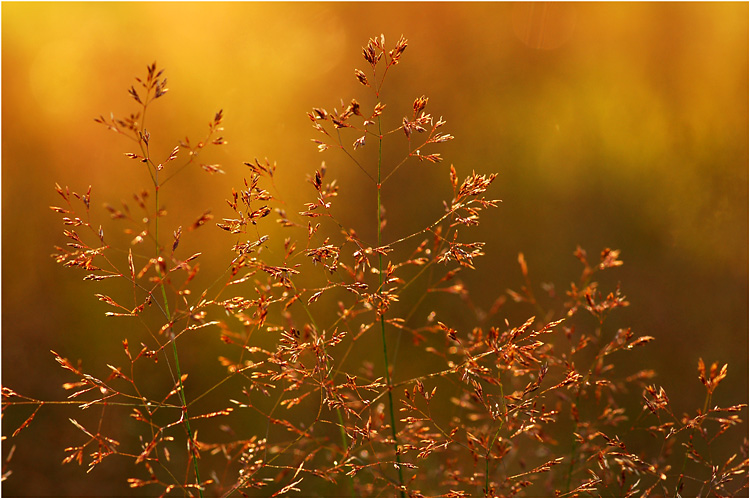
(316, 392)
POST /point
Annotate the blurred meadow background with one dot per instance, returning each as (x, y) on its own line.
(610, 125)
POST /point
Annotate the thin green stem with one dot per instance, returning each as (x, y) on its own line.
(183, 400)
(382, 319)
(678, 486)
(707, 402)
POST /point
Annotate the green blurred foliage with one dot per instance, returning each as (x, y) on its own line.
(619, 125)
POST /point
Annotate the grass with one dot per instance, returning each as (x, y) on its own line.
(314, 391)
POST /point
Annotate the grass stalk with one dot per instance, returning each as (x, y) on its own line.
(382, 318)
(183, 399)
(488, 457)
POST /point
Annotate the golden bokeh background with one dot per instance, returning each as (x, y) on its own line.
(610, 125)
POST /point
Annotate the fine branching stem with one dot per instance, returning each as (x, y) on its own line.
(488, 457)
(339, 415)
(382, 320)
(173, 338)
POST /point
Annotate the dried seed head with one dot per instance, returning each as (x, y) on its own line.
(134, 94)
(319, 113)
(454, 178)
(715, 376)
(379, 107)
(354, 107)
(395, 54)
(609, 258)
(360, 75)
(370, 54)
(161, 88)
(419, 104)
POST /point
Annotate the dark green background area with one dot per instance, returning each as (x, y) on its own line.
(610, 125)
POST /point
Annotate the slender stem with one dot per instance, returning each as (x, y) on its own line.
(183, 400)
(678, 487)
(329, 368)
(707, 402)
(382, 320)
(488, 457)
(574, 443)
(187, 419)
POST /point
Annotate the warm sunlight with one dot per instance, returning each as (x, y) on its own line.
(500, 249)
